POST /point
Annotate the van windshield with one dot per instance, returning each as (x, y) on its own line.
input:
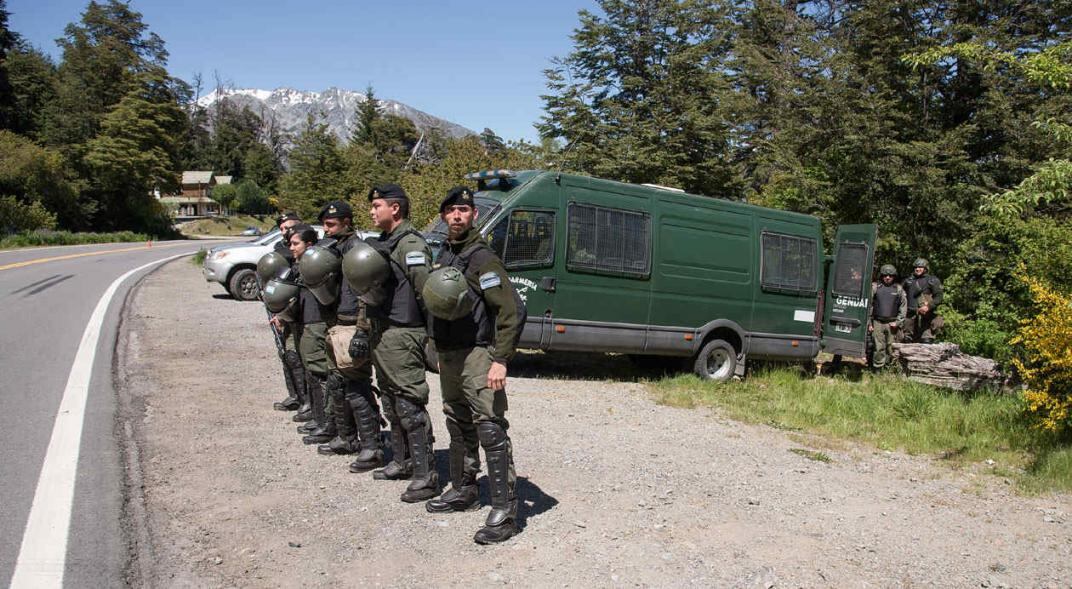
(436, 232)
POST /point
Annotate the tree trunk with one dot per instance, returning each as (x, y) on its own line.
(944, 365)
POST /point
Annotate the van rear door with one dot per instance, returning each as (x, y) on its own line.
(848, 291)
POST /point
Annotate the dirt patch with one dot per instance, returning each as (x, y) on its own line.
(617, 490)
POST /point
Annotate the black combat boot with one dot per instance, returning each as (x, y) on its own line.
(367, 413)
(501, 523)
(418, 428)
(325, 430)
(401, 465)
(305, 411)
(345, 441)
(315, 387)
(463, 494)
(291, 359)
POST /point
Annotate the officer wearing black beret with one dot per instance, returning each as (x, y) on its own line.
(459, 195)
(336, 209)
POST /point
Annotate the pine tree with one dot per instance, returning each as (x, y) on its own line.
(317, 171)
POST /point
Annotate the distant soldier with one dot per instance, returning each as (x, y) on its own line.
(399, 337)
(888, 307)
(290, 332)
(476, 326)
(924, 295)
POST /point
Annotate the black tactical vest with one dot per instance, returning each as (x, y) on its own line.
(477, 328)
(282, 249)
(887, 302)
(346, 306)
(402, 308)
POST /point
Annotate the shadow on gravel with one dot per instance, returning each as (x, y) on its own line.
(223, 297)
(592, 366)
(533, 500)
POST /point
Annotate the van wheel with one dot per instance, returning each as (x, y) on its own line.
(431, 357)
(717, 361)
(243, 285)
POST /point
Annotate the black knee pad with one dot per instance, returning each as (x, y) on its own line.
(492, 435)
(411, 414)
(336, 385)
(292, 359)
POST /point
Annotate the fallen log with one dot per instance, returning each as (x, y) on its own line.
(944, 365)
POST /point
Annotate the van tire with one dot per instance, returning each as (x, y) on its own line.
(243, 285)
(717, 361)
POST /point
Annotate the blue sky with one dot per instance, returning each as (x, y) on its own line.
(476, 63)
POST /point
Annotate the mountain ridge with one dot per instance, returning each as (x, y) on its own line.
(291, 107)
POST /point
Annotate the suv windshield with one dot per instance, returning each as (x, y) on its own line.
(267, 238)
(436, 232)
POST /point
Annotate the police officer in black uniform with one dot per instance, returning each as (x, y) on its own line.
(290, 334)
(924, 292)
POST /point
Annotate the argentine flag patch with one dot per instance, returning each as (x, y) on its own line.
(489, 280)
(415, 259)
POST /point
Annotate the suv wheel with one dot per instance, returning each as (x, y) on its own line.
(717, 361)
(243, 285)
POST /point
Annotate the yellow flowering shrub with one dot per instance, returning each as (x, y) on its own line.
(1045, 362)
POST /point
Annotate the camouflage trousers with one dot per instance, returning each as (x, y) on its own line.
(884, 336)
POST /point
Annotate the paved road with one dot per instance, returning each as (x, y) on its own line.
(48, 296)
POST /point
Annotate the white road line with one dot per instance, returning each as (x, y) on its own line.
(42, 557)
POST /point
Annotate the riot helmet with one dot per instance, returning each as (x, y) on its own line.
(446, 294)
(364, 267)
(271, 265)
(887, 270)
(281, 297)
(319, 268)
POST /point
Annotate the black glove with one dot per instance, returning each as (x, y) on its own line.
(359, 345)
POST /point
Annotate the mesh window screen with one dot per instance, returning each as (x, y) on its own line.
(789, 263)
(609, 240)
(530, 240)
(849, 269)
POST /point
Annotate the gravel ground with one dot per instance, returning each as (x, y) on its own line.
(616, 489)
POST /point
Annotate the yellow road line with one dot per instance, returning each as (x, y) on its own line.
(83, 255)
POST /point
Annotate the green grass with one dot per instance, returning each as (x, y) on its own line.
(890, 413)
(811, 454)
(198, 259)
(221, 226)
(48, 237)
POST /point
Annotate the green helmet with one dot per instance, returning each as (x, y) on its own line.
(920, 263)
(319, 267)
(446, 293)
(271, 265)
(364, 267)
(887, 270)
(281, 298)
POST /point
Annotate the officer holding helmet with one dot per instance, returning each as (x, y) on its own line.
(356, 425)
(888, 307)
(289, 332)
(476, 325)
(399, 337)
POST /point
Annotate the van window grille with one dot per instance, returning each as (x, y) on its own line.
(789, 263)
(611, 241)
(849, 271)
(528, 240)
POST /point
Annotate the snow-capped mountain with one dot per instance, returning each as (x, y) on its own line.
(291, 107)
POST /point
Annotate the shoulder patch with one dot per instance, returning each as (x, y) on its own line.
(415, 259)
(489, 280)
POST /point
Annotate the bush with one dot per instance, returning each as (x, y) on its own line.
(19, 216)
(45, 237)
(1046, 360)
(979, 337)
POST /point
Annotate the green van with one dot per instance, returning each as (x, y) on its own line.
(652, 271)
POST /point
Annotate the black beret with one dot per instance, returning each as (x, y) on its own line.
(288, 216)
(387, 191)
(336, 209)
(459, 195)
